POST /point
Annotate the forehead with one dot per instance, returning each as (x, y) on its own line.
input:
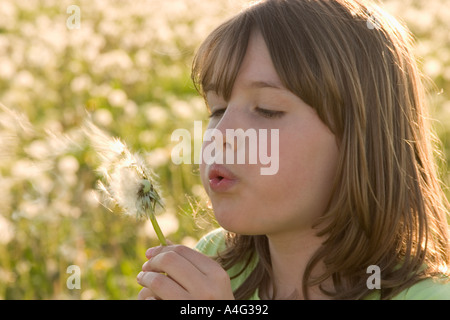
(257, 64)
(256, 70)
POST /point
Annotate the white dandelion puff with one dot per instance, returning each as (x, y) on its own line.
(126, 180)
(15, 122)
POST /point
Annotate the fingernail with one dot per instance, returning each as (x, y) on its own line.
(140, 275)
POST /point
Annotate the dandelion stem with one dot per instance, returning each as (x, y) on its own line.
(157, 229)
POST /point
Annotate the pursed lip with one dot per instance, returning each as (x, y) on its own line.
(221, 179)
(218, 170)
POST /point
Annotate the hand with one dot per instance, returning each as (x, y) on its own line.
(178, 272)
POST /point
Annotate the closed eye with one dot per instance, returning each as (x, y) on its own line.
(263, 112)
(269, 113)
(217, 113)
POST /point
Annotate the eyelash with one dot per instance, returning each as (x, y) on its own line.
(270, 114)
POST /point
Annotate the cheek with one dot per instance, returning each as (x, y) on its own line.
(307, 169)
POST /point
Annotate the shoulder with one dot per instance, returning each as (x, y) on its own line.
(428, 289)
(212, 243)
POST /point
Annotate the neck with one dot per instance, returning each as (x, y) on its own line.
(290, 254)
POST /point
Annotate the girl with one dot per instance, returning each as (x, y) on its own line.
(355, 210)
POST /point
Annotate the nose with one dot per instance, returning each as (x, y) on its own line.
(236, 141)
(231, 120)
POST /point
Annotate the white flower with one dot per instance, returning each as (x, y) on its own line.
(6, 230)
(117, 98)
(127, 181)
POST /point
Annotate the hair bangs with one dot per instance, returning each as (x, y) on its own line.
(219, 58)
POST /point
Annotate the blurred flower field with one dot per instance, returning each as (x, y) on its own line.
(127, 68)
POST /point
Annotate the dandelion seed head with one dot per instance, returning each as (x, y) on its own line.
(146, 185)
(15, 122)
(126, 180)
(109, 149)
(124, 187)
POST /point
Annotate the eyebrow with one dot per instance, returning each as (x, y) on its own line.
(253, 84)
(266, 84)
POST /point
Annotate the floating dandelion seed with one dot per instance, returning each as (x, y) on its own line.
(127, 180)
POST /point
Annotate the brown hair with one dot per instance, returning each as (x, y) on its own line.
(388, 208)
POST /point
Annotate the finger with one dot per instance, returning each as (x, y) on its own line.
(203, 263)
(146, 294)
(162, 286)
(178, 268)
(148, 254)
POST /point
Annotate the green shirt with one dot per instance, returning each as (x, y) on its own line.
(428, 289)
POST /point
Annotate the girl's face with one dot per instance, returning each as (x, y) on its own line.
(291, 199)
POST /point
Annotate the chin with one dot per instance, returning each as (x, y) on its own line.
(238, 223)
